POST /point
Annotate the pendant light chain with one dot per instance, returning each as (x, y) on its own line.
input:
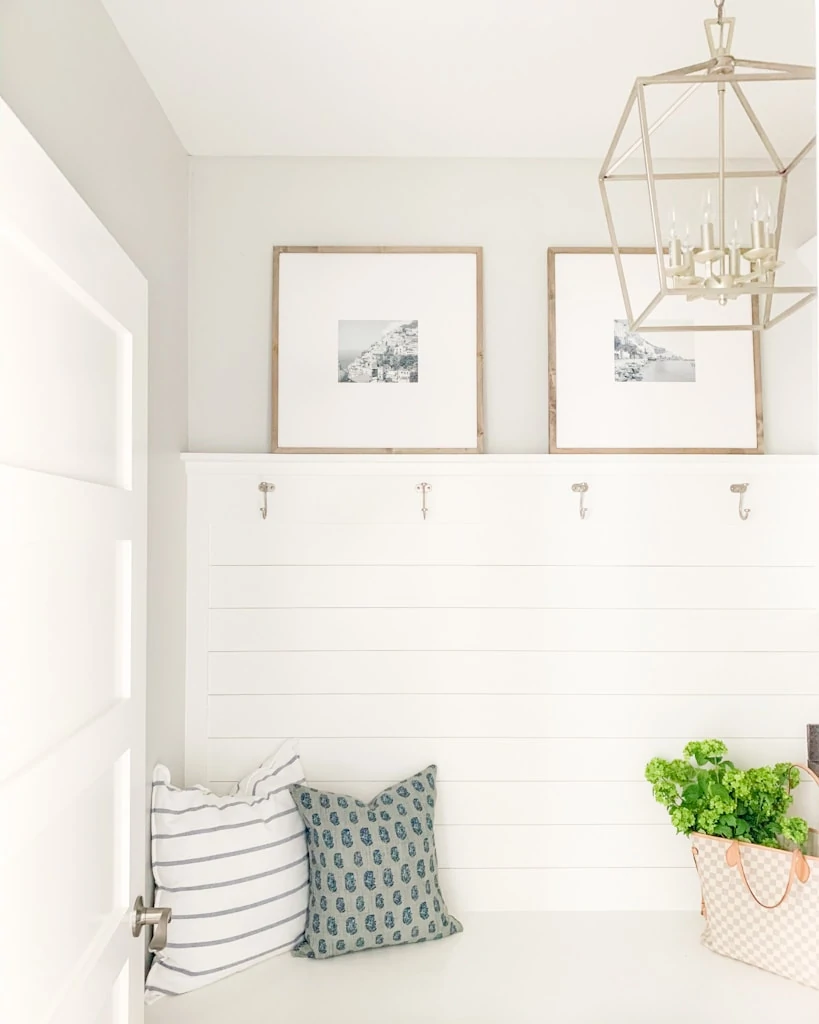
(719, 4)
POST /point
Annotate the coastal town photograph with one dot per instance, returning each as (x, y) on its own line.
(638, 359)
(378, 351)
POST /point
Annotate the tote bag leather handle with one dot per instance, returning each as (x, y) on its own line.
(809, 772)
(800, 870)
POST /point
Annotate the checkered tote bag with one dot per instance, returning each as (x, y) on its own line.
(761, 906)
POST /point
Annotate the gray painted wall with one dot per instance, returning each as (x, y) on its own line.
(515, 209)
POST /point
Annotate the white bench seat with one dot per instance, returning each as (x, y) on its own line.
(568, 968)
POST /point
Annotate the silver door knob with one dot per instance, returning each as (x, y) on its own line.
(154, 917)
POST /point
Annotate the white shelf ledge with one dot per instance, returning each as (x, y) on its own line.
(490, 465)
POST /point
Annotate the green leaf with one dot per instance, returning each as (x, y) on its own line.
(701, 759)
(729, 819)
(741, 827)
(720, 791)
(692, 794)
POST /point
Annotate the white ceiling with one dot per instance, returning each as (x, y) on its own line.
(515, 78)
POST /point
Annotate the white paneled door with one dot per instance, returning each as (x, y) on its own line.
(73, 365)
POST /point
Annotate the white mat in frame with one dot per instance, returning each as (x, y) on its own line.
(612, 390)
(405, 321)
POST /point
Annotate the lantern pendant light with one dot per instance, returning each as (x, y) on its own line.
(719, 267)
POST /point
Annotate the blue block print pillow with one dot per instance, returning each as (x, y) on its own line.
(373, 869)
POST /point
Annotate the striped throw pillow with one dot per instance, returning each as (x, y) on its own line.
(232, 869)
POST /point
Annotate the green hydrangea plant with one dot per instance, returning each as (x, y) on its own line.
(708, 793)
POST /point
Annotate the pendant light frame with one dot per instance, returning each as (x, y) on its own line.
(721, 72)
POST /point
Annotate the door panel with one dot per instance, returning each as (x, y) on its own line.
(73, 362)
(63, 354)
(74, 592)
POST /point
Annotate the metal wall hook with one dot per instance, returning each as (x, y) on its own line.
(265, 488)
(423, 488)
(740, 489)
(581, 489)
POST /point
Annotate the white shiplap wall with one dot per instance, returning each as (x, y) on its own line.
(538, 659)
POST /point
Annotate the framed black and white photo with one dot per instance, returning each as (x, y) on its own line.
(377, 350)
(655, 390)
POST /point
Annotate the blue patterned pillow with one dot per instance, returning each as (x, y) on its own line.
(373, 869)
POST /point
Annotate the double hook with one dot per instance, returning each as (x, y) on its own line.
(741, 489)
(581, 489)
(424, 487)
(265, 488)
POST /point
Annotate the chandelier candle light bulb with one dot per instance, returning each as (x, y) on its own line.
(708, 243)
(759, 239)
(771, 230)
(688, 253)
(735, 255)
(675, 246)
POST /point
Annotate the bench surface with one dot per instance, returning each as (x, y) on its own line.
(636, 968)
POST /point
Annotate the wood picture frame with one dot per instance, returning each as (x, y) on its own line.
(553, 391)
(296, 449)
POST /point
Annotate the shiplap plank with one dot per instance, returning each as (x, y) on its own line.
(564, 541)
(464, 586)
(570, 889)
(510, 629)
(396, 715)
(561, 846)
(497, 586)
(529, 803)
(669, 500)
(578, 672)
(371, 493)
(499, 760)
(544, 803)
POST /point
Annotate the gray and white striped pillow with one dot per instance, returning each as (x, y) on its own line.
(234, 871)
